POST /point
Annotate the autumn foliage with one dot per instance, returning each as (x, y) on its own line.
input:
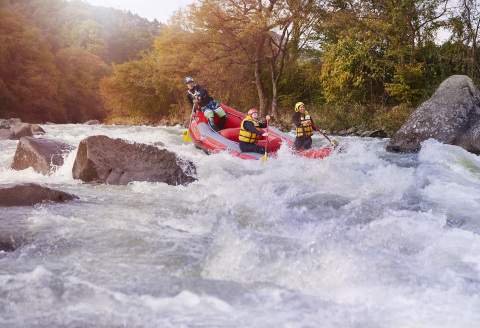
(53, 55)
(364, 62)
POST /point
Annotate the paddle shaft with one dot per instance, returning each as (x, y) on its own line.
(322, 133)
(191, 114)
(266, 139)
(264, 158)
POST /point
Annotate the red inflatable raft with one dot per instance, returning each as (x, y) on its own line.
(226, 140)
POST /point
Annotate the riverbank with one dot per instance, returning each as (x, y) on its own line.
(343, 121)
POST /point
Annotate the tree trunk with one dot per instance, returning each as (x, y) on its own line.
(262, 98)
(274, 99)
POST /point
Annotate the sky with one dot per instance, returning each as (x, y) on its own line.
(149, 9)
(163, 9)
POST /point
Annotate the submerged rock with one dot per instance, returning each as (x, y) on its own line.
(117, 161)
(7, 244)
(28, 194)
(42, 154)
(451, 116)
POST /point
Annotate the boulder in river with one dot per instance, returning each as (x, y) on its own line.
(37, 129)
(16, 131)
(43, 155)
(8, 123)
(117, 161)
(28, 194)
(7, 244)
(451, 116)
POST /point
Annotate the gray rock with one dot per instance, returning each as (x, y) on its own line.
(4, 134)
(7, 244)
(16, 132)
(378, 134)
(42, 154)
(21, 130)
(11, 240)
(93, 122)
(117, 161)
(352, 131)
(8, 123)
(450, 116)
(37, 129)
(28, 194)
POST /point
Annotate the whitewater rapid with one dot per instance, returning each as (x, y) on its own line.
(365, 238)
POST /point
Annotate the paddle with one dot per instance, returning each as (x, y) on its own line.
(186, 134)
(264, 158)
(333, 142)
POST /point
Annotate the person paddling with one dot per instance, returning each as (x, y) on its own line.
(303, 122)
(199, 96)
(249, 133)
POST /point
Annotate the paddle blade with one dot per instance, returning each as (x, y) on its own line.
(186, 136)
(335, 142)
(264, 158)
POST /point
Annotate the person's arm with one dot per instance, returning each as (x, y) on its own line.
(190, 99)
(249, 126)
(201, 91)
(296, 119)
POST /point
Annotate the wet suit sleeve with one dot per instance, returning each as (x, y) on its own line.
(190, 99)
(249, 126)
(202, 91)
(296, 119)
(204, 96)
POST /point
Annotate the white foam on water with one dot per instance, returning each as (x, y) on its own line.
(359, 239)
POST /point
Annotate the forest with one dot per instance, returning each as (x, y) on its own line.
(363, 63)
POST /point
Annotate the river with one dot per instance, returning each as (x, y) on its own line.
(366, 238)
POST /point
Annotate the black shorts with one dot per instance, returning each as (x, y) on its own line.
(246, 147)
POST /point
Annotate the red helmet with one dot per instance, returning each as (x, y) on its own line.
(251, 111)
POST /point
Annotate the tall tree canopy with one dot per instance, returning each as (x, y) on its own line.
(352, 61)
(234, 45)
(377, 46)
(260, 36)
(53, 54)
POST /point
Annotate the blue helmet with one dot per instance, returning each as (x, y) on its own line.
(188, 79)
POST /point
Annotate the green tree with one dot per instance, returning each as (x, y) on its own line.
(464, 23)
(81, 72)
(373, 44)
(137, 90)
(256, 35)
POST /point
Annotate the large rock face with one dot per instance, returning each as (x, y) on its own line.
(117, 161)
(451, 116)
(42, 154)
(28, 194)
